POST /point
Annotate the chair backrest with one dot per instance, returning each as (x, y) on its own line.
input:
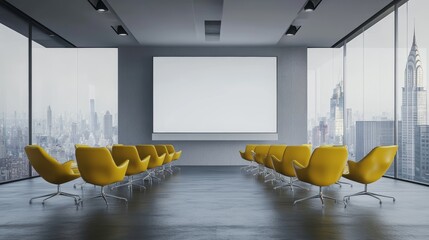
(170, 148)
(44, 164)
(277, 150)
(161, 149)
(262, 149)
(377, 162)
(147, 150)
(122, 153)
(78, 145)
(95, 163)
(326, 165)
(249, 148)
(300, 153)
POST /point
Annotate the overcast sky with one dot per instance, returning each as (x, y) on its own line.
(64, 78)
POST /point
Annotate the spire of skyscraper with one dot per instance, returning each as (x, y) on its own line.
(413, 111)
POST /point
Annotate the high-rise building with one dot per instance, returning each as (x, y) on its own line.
(422, 153)
(336, 116)
(74, 134)
(92, 115)
(108, 126)
(370, 134)
(413, 111)
(49, 121)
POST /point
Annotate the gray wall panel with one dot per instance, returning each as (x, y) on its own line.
(135, 100)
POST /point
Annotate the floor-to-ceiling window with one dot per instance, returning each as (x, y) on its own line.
(325, 96)
(412, 100)
(83, 108)
(14, 131)
(51, 94)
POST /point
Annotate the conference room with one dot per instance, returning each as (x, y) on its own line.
(214, 119)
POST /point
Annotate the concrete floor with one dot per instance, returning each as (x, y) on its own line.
(214, 203)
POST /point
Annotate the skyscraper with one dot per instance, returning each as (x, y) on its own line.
(413, 111)
(49, 121)
(92, 115)
(108, 127)
(336, 115)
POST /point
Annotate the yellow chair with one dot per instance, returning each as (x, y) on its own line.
(97, 167)
(324, 168)
(259, 155)
(275, 151)
(121, 154)
(162, 149)
(176, 157)
(284, 165)
(51, 171)
(371, 168)
(171, 149)
(248, 155)
(155, 161)
(339, 183)
(78, 145)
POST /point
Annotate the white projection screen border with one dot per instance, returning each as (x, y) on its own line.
(240, 92)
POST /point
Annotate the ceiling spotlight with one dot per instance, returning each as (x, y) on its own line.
(309, 7)
(291, 31)
(120, 30)
(99, 6)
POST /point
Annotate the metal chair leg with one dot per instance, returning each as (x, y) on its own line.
(365, 192)
(76, 197)
(321, 196)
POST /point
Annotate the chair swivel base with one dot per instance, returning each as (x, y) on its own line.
(105, 196)
(365, 192)
(76, 197)
(131, 182)
(290, 184)
(340, 183)
(320, 195)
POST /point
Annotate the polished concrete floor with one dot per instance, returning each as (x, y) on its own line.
(214, 203)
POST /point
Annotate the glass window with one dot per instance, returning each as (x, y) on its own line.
(83, 108)
(325, 96)
(14, 133)
(412, 114)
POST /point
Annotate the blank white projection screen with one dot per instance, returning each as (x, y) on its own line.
(215, 94)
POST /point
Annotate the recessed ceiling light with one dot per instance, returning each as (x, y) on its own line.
(99, 6)
(309, 7)
(120, 30)
(291, 31)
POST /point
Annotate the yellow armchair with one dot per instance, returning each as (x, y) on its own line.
(51, 171)
(121, 154)
(155, 159)
(259, 155)
(324, 168)
(275, 151)
(97, 167)
(176, 156)
(301, 154)
(162, 149)
(247, 154)
(371, 168)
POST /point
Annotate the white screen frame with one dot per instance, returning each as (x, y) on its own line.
(272, 135)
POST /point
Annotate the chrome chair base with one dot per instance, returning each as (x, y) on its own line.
(290, 184)
(340, 183)
(321, 196)
(365, 192)
(79, 184)
(105, 196)
(76, 197)
(131, 182)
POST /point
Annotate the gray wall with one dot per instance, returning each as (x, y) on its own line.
(135, 100)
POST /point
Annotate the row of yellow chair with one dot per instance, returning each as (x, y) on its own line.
(322, 167)
(103, 166)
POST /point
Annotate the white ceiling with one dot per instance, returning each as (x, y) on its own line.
(181, 22)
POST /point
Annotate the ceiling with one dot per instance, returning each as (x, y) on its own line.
(181, 22)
